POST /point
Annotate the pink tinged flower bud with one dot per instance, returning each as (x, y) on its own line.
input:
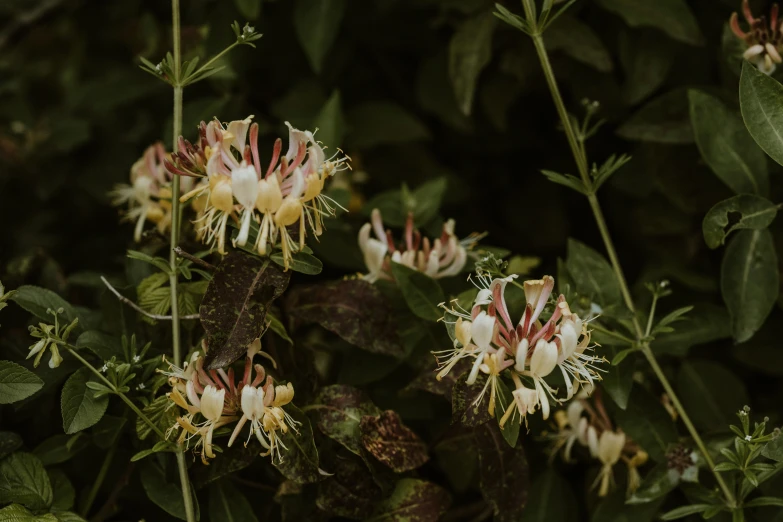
(610, 447)
(253, 402)
(544, 358)
(212, 403)
(753, 51)
(296, 139)
(462, 331)
(537, 293)
(289, 212)
(482, 330)
(222, 197)
(238, 131)
(269, 195)
(521, 355)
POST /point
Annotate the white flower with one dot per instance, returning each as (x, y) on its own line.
(609, 449)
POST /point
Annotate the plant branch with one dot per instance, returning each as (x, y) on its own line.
(99, 480)
(139, 309)
(581, 163)
(195, 260)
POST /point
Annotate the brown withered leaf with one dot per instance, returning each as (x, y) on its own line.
(503, 471)
(393, 443)
(235, 305)
(464, 405)
(340, 413)
(350, 492)
(413, 500)
(353, 309)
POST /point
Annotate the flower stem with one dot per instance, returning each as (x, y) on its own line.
(99, 480)
(176, 218)
(108, 383)
(581, 163)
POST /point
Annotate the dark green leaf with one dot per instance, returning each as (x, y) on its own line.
(504, 473)
(470, 50)
(614, 509)
(383, 122)
(165, 492)
(503, 401)
(317, 24)
(249, 9)
(422, 293)
(711, 394)
(19, 513)
(106, 432)
(103, 345)
(706, 323)
(17, 382)
(618, 382)
(353, 309)
(774, 449)
(684, 511)
(745, 211)
(749, 281)
(37, 300)
(726, 146)
(760, 99)
(80, 408)
(665, 119)
(9, 442)
(412, 500)
(391, 442)
(330, 125)
(579, 41)
(659, 482)
(340, 412)
(300, 262)
(235, 305)
(647, 422)
(551, 499)
(464, 405)
(228, 504)
(350, 492)
(23, 480)
(64, 494)
(593, 274)
(670, 16)
(61, 448)
(300, 461)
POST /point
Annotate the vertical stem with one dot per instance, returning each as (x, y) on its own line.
(581, 163)
(99, 480)
(187, 498)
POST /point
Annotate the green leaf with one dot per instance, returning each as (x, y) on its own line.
(23, 480)
(61, 448)
(300, 461)
(670, 16)
(235, 305)
(422, 293)
(37, 300)
(350, 492)
(618, 382)
(551, 498)
(614, 509)
(647, 422)
(9, 442)
(161, 411)
(64, 495)
(330, 123)
(503, 401)
(101, 344)
(18, 513)
(579, 41)
(412, 500)
(391, 442)
(106, 432)
(774, 449)
(464, 405)
(317, 24)
(80, 408)
(764, 501)
(665, 119)
(384, 122)
(749, 281)
(249, 9)
(300, 262)
(17, 382)
(726, 146)
(353, 309)
(340, 411)
(470, 50)
(745, 211)
(165, 491)
(567, 180)
(760, 100)
(660, 481)
(228, 504)
(706, 323)
(710, 393)
(647, 60)
(684, 511)
(504, 473)
(592, 273)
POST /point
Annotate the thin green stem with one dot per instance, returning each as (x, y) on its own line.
(99, 480)
(581, 163)
(176, 218)
(110, 385)
(598, 328)
(652, 315)
(215, 58)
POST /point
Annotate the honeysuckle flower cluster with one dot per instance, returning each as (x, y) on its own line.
(764, 38)
(526, 352)
(50, 336)
(286, 193)
(441, 257)
(148, 197)
(584, 422)
(213, 399)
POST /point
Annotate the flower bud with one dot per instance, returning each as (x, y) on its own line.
(222, 197)
(544, 358)
(253, 402)
(289, 212)
(610, 446)
(462, 331)
(269, 195)
(482, 330)
(212, 403)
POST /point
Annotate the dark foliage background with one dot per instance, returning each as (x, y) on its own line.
(76, 112)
